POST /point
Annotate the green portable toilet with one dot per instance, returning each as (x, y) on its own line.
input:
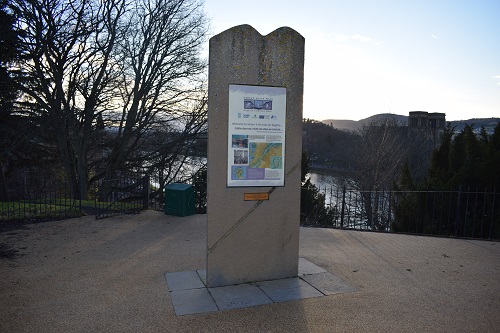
(179, 199)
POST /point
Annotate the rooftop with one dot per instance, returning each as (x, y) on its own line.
(110, 276)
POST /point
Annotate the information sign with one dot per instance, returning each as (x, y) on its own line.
(256, 136)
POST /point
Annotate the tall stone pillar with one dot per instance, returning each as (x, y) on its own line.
(254, 201)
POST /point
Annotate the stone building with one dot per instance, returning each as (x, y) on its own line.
(422, 119)
(430, 124)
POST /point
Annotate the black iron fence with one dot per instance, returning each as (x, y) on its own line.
(129, 192)
(462, 213)
(30, 200)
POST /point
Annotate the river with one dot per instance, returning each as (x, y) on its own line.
(321, 180)
(327, 184)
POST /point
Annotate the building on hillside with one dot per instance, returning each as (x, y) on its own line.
(422, 119)
(429, 124)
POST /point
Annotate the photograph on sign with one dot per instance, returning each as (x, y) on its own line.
(256, 136)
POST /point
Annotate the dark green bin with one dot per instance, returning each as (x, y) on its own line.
(179, 199)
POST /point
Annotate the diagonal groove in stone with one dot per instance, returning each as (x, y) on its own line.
(241, 220)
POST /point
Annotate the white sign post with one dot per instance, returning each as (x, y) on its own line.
(256, 136)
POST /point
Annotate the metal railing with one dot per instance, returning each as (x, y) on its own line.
(128, 193)
(462, 213)
(54, 200)
(29, 201)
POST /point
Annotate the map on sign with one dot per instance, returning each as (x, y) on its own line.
(239, 172)
(265, 155)
(256, 136)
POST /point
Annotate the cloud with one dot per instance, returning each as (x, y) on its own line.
(356, 37)
(434, 36)
(498, 78)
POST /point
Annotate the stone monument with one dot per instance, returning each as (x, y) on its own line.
(254, 155)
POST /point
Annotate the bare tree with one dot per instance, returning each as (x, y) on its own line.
(379, 156)
(161, 70)
(105, 74)
(177, 155)
(67, 48)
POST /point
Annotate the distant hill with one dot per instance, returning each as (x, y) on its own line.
(489, 124)
(352, 125)
(349, 125)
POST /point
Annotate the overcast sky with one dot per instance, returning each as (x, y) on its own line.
(365, 57)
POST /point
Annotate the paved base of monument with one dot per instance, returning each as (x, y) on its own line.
(190, 295)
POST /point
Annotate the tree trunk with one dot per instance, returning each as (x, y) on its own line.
(4, 194)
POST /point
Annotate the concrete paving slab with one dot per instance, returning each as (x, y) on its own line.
(307, 267)
(183, 280)
(192, 301)
(314, 281)
(239, 296)
(203, 275)
(290, 289)
(328, 283)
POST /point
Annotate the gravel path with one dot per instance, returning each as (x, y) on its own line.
(87, 275)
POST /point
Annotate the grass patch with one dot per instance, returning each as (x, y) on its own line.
(30, 210)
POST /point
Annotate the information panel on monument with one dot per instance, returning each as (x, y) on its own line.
(256, 136)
